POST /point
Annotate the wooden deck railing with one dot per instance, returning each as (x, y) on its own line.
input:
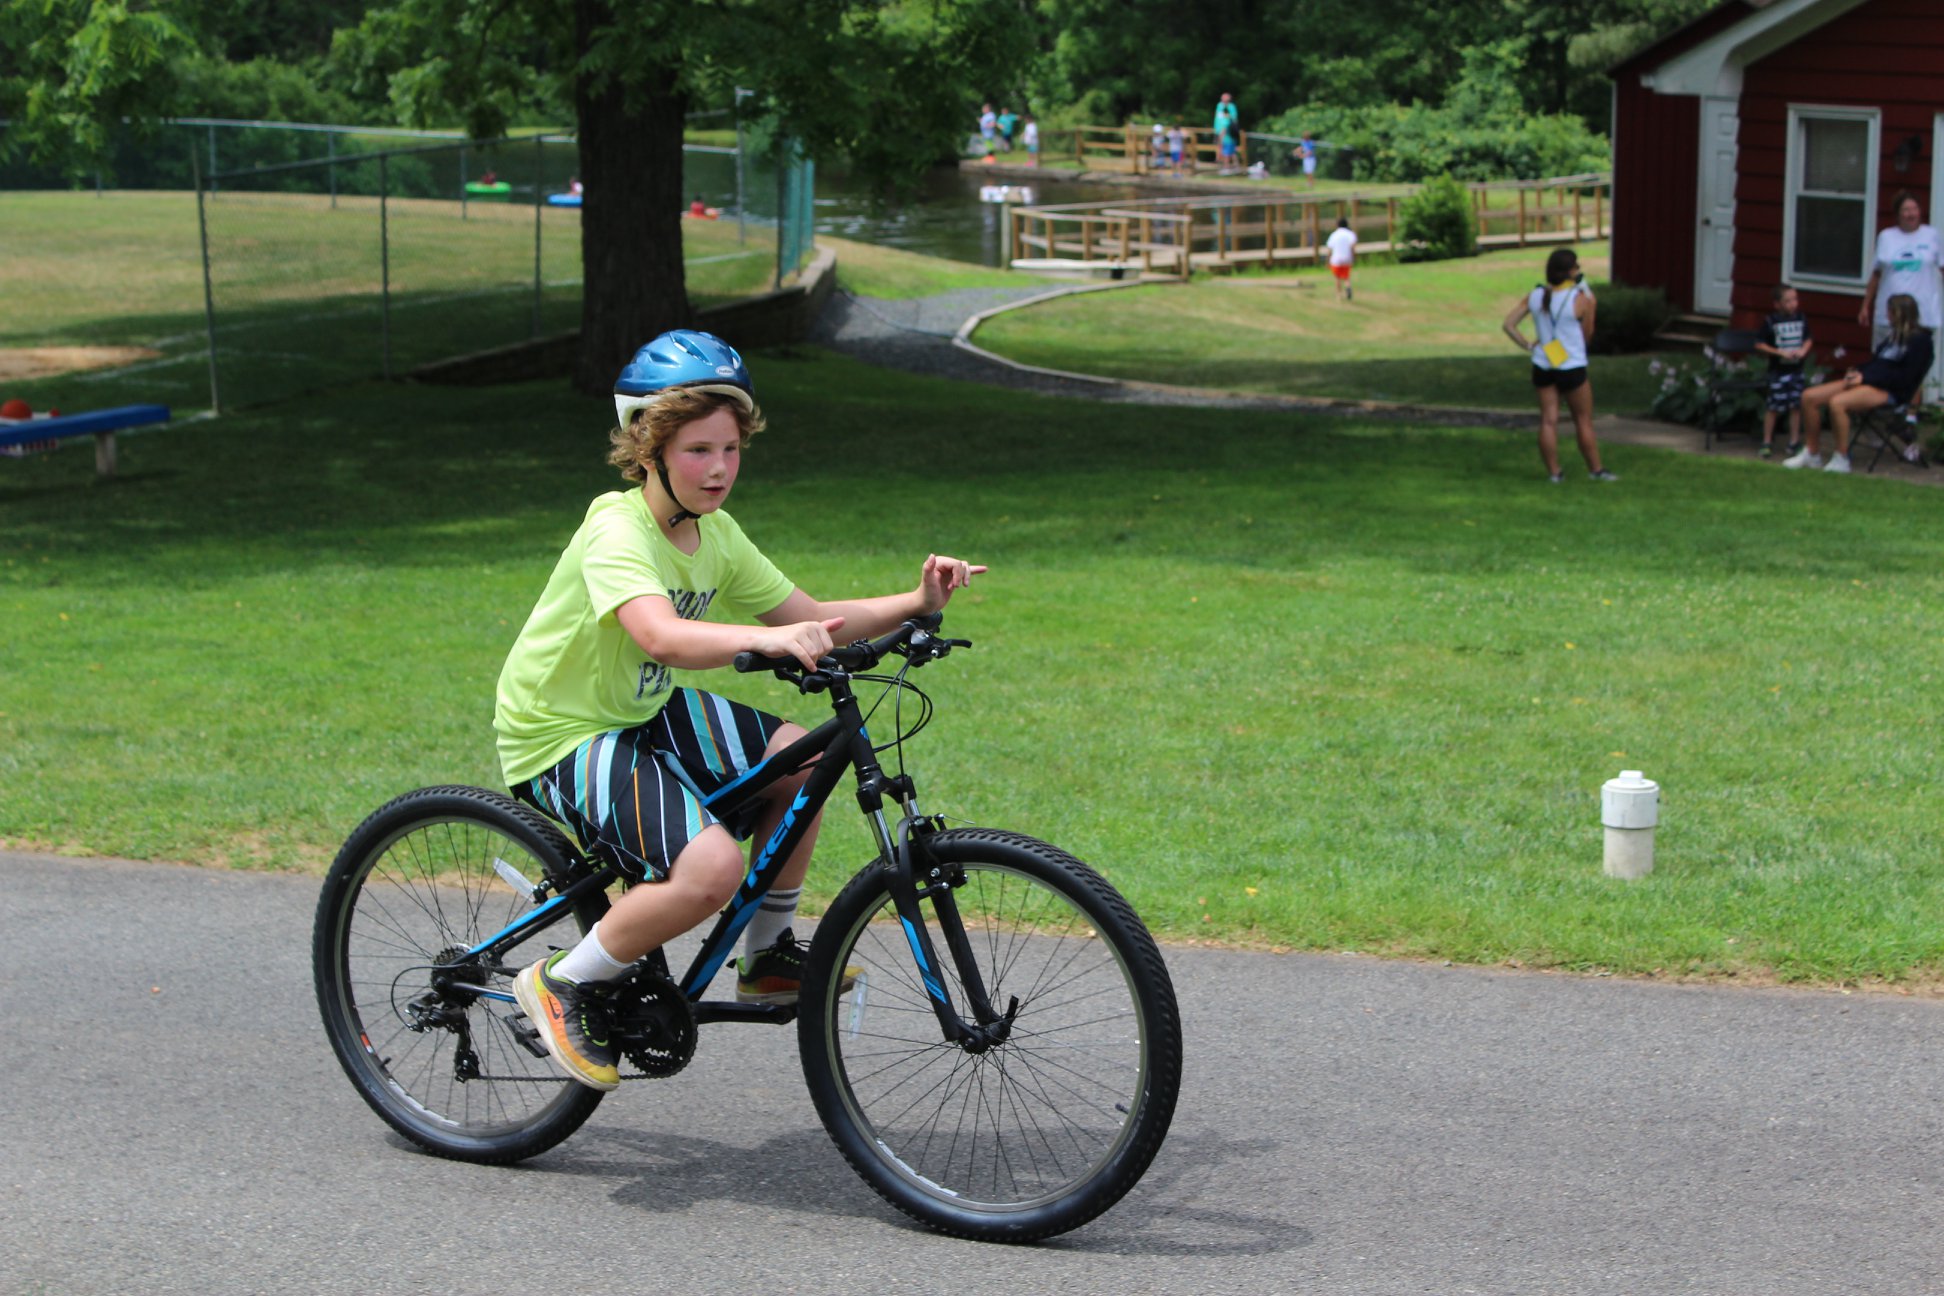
(1222, 231)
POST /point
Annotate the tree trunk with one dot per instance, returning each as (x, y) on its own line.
(631, 215)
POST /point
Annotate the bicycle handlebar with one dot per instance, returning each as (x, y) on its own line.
(914, 639)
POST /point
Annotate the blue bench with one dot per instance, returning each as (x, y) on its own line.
(103, 424)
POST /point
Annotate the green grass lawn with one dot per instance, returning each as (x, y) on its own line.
(886, 272)
(1415, 334)
(296, 286)
(1302, 682)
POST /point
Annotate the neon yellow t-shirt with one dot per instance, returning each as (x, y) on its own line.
(574, 672)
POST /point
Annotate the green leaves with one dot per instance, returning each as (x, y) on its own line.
(70, 70)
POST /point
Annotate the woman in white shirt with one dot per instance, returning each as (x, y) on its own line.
(1907, 261)
(1562, 315)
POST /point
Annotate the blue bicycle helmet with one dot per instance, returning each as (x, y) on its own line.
(681, 358)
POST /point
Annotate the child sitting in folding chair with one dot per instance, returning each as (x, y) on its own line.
(1892, 376)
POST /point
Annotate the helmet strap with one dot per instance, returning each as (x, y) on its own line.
(681, 511)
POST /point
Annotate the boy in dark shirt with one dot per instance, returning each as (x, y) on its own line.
(1784, 339)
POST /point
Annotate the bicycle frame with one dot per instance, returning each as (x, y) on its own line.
(835, 747)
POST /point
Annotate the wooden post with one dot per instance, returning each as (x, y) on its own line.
(104, 454)
(1313, 241)
(1147, 244)
(1576, 215)
(1390, 223)
(1124, 224)
(1018, 225)
(1271, 216)
(1086, 238)
(1599, 221)
(1522, 216)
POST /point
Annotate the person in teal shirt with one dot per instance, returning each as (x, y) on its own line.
(1008, 123)
(594, 730)
(1225, 113)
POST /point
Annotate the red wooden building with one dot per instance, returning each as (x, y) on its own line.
(1764, 142)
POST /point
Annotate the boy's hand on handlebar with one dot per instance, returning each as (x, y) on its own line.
(804, 640)
(940, 577)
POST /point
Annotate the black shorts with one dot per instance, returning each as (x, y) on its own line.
(1566, 380)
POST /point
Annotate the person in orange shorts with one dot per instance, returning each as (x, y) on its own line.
(1342, 244)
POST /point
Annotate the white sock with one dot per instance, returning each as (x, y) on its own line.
(589, 961)
(772, 919)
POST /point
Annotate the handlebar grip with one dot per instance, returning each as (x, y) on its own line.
(748, 663)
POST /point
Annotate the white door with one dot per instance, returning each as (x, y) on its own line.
(1714, 237)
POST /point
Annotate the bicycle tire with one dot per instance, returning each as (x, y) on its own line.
(415, 881)
(1044, 1131)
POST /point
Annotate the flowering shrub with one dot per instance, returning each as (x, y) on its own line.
(1686, 392)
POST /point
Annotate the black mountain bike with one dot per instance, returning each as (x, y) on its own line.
(1004, 1065)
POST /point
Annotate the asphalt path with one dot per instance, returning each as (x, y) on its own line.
(172, 1120)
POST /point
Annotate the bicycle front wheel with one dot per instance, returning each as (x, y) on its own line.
(427, 877)
(1037, 1134)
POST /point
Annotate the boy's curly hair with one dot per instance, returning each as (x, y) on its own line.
(637, 448)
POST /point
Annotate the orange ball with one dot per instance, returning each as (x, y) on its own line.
(16, 409)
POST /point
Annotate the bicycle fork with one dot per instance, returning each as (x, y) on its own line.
(912, 875)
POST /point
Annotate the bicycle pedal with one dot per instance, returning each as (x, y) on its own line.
(525, 1034)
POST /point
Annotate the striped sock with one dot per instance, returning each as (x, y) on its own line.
(772, 920)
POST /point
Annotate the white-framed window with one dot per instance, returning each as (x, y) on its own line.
(1829, 196)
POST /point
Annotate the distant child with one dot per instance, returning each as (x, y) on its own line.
(1029, 135)
(1008, 122)
(1174, 147)
(1305, 153)
(1157, 148)
(988, 126)
(1343, 255)
(1784, 339)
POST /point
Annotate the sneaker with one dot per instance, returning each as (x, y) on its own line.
(574, 1030)
(1556, 478)
(1913, 453)
(1795, 448)
(1766, 450)
(1803, 459)
(1603, 475)
(775, 975)
(1837, 463)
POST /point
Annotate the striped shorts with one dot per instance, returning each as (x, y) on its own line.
(633, 797)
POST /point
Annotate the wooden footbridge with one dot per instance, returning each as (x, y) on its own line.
(1223, 232)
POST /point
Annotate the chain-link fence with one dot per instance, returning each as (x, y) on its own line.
(357, 257)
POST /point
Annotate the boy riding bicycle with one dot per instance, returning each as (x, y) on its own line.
(592, 729)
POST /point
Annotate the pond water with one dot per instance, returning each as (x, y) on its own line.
(945, 218)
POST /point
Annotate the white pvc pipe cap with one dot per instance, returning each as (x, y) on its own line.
(1630, 801)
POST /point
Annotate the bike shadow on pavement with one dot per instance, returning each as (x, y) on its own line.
(1178, 1209)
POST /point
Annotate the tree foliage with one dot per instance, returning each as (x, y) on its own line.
(1162, 58)
(71, 70)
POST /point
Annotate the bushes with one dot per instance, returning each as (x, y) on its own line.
(1436, 222)
(1686, 386)
(1480, 132)
(1628, 318)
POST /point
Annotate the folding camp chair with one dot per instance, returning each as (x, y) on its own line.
(1731, 344)
(1894, 428)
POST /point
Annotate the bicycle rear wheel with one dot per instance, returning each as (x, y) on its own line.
(1040, 1133)
(416, 885)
